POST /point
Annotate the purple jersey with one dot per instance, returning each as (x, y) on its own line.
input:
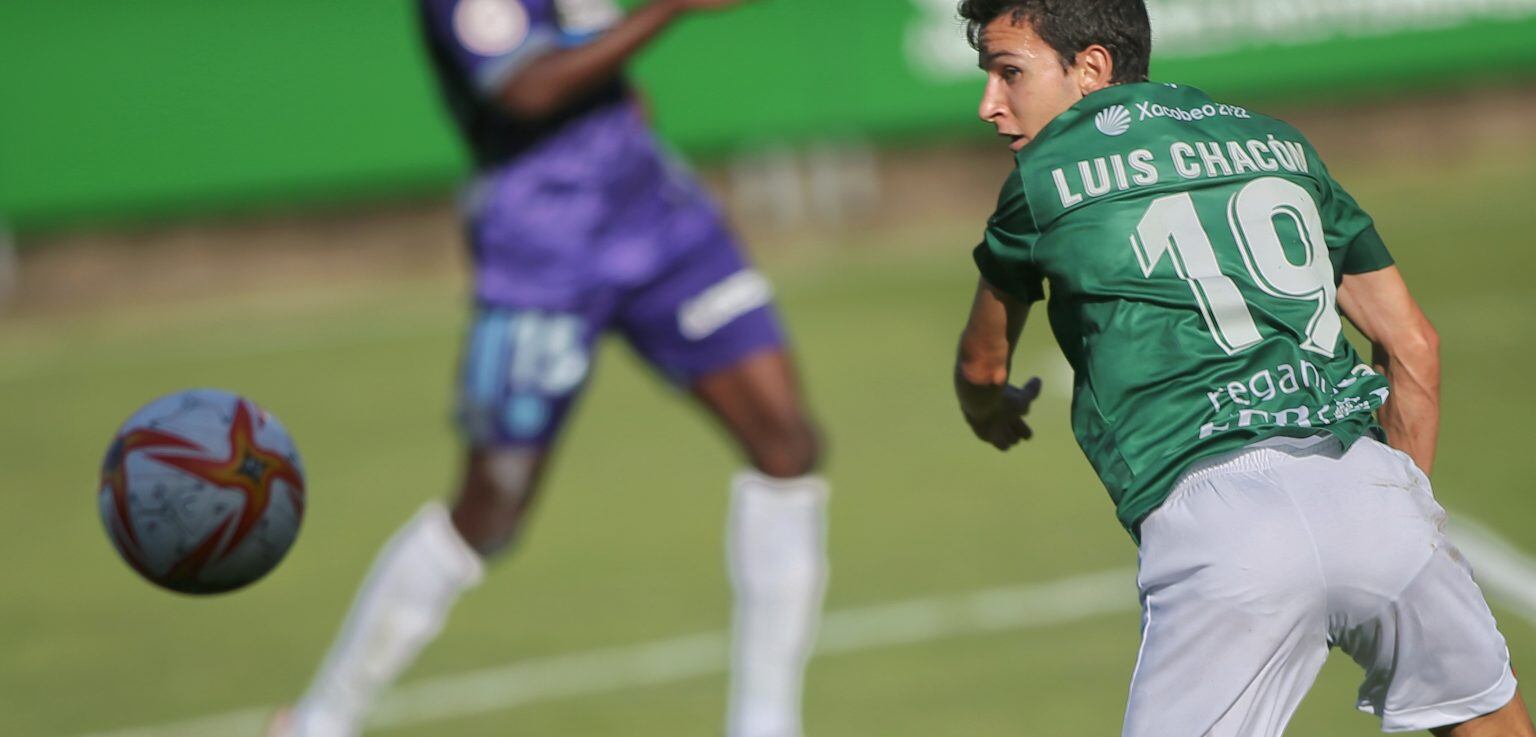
(586, 196)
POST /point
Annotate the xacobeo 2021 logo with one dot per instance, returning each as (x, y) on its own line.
(1113, 121)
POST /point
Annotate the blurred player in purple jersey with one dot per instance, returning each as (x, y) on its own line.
(580, 224)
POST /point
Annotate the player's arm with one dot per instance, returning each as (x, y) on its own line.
(1404, 347)
(551, 81)
(994, 409)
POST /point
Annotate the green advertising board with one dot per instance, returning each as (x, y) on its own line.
(124, 111)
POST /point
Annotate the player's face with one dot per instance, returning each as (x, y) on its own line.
(1026, 84)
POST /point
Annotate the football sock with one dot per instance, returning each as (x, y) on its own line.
(776, 545)
(402, 606)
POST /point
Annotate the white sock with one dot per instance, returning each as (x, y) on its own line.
(402, 606)
(777, 550)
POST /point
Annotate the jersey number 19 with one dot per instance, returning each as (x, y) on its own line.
(1171, 227)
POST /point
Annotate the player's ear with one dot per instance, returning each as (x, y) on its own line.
(1094, 68)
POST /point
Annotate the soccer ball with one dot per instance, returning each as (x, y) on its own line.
(202, 492)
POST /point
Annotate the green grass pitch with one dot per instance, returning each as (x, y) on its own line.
(626, 544)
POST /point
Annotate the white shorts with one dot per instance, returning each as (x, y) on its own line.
(1262, 560)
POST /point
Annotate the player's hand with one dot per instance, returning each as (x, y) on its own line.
(1003, 424)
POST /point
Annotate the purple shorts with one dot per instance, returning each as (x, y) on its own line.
(703, 310)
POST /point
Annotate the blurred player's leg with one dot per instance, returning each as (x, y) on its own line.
(413, 584)
(776, 543)
(401, 607)
(709, 324)
(522, 371)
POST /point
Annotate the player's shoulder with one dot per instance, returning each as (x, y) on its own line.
(496, 27)
(487, 9)
(1012, 210)
(486, 27)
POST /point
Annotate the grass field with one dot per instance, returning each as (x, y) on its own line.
(627, 544)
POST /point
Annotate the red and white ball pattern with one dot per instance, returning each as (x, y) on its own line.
(202, 492)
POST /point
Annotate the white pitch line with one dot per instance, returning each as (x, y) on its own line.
(1506, 573)
(668, 661)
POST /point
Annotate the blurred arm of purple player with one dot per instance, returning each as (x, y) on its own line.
(538, 72)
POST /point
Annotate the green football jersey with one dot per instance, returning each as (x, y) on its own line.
(1193, 252)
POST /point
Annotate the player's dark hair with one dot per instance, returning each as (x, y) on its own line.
(1070, 26)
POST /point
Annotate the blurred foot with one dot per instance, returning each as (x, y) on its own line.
(301, 720)
(280, 724)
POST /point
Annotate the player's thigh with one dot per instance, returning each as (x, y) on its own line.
(1234, 623)
(521, 372)
(706, 311)
(1434, 655)
(1432, 652)
(708, 324)
(758, 402)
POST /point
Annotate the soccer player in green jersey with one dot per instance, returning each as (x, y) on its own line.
(1196, 257)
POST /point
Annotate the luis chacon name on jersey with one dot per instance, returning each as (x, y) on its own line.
(1198, 160)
